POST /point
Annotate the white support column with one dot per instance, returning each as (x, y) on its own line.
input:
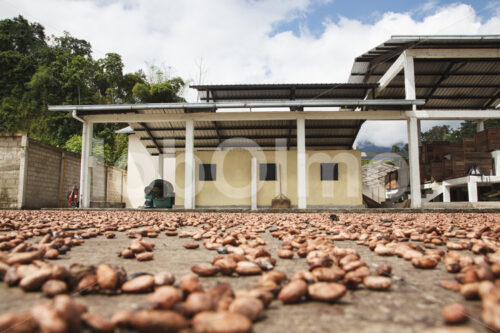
(419, 127)
(189, 162)
(83, 162)
(416, 199)
(496, 162)
(161, 159)
(472, 189)
(301, 164)
(409, 71)
(479, 125)
(193, 192)
(23, 173)
(87, 133)
(413, 134)
(254, 184)
(446, 193)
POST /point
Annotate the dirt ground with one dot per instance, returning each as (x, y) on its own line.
(413, 303)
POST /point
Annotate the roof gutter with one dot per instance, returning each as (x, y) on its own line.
(75, 115)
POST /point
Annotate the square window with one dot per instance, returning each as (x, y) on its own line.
(267, 171)
(207, 172)
(329, 171)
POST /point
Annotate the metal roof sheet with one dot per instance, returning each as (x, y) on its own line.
(444, 83)
(271, 92)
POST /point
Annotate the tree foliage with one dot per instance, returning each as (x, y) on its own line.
(445, 133)
(36, 71)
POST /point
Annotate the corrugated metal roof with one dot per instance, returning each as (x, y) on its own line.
(268, 134)
(280, 92)
(445, 83)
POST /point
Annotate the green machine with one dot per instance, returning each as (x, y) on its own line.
(159, 194)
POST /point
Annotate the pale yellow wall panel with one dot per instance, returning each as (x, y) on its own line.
(232, 186)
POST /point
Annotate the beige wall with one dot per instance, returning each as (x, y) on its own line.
(232, 186)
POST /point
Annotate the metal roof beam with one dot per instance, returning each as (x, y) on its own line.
(151, 137)
(458, 114)
(391, 73)
(452, 97)
(491, 100)
(468, 73)
(249, 137)
(237, 105)
(263, 127)
(463, 53)
(243, 145)
(284, 86)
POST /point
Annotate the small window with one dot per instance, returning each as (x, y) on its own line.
(267, 171)
(329, 171)
(207, 172)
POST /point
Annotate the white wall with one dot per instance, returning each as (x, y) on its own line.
(142, 170)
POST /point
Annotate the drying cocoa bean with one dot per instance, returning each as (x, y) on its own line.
(424, 262)
(247, 268)
(23, 257)
(470, 290)
(450, 285)
(54, 287)
(164, 279)
(51, 254)
(107, 277)
(454, 313)
(326, 292)
(161, 321)
(226, 265)
(205, 269)
(250, 307)
(17, 323)
(140, 284)
(328, 274)
(48, 319)
(127, 254)
(198, 302)
(377, 282)
(190, 284)
(191, 246)
(383, 270)
(97, 323)
(144, 256)
(221, 322)
(34, 281)
(285, 254)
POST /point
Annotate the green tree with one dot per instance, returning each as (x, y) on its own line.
(399, 148)
(36, 72)
(438, 133)
(164, 92)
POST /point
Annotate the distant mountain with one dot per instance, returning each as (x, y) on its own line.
(368, 147)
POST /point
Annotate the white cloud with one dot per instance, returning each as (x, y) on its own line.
(236, 38)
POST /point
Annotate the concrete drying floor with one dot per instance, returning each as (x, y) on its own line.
(413, 303)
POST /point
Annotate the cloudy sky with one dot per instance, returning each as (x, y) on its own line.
(252, 41)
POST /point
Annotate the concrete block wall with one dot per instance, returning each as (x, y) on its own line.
(71, 176)
(49, 173)
(43, 175)
(11, 153)
(98, 183)
(117, 184)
